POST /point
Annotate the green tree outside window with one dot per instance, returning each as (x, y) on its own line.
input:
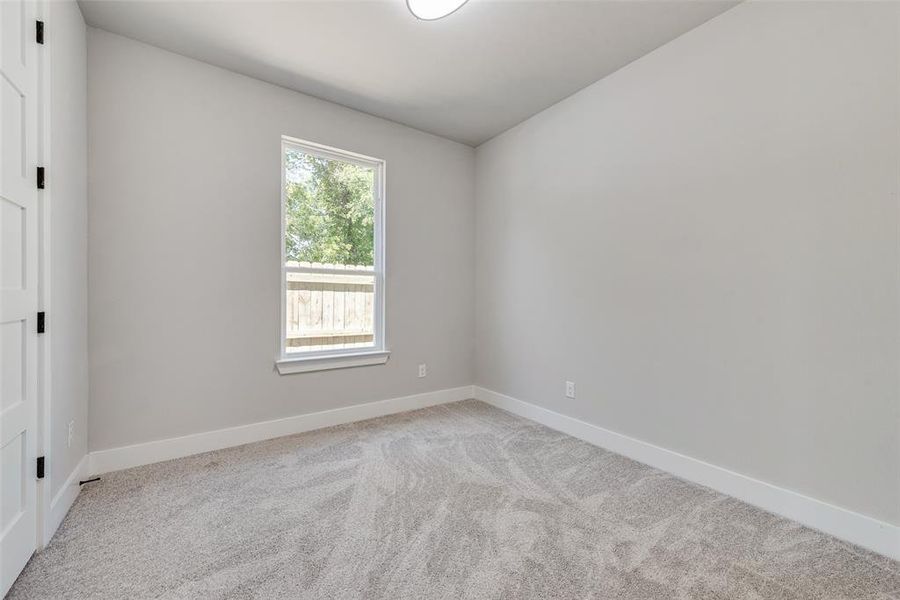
(329, 211)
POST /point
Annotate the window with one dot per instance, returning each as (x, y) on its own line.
(332, 258)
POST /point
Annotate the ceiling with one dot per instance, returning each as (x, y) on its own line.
(468, 77)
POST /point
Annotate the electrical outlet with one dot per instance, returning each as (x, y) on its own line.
(570, 389)
(423, 370)
(71, 434)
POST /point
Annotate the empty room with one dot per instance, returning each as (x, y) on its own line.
(439, 299)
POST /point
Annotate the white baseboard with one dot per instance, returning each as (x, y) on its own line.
(63, 500)
(114, 459)
(847, 525)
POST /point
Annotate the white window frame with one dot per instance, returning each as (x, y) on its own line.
(342, 357)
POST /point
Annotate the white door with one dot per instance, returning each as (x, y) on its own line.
(18, 287)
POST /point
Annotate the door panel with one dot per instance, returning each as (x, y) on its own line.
(18, 287)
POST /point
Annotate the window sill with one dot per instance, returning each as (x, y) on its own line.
(306, 364)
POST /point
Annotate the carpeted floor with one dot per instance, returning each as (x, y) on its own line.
(456, 501)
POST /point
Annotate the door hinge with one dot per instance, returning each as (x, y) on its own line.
(40, 467)
(39, 32)
(40, 178)
(42, 322)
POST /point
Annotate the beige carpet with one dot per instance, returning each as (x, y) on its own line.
(456, 501)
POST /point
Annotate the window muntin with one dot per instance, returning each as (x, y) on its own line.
(332, 252)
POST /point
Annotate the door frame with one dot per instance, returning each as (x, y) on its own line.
(43, 429)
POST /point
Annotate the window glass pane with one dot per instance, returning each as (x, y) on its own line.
(329, 210)
(328, 311)
(330, 279)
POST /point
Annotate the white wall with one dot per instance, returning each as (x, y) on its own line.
(184, 248)
(67, 258)
(706, 242)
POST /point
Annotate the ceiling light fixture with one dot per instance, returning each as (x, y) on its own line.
(429, 10)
